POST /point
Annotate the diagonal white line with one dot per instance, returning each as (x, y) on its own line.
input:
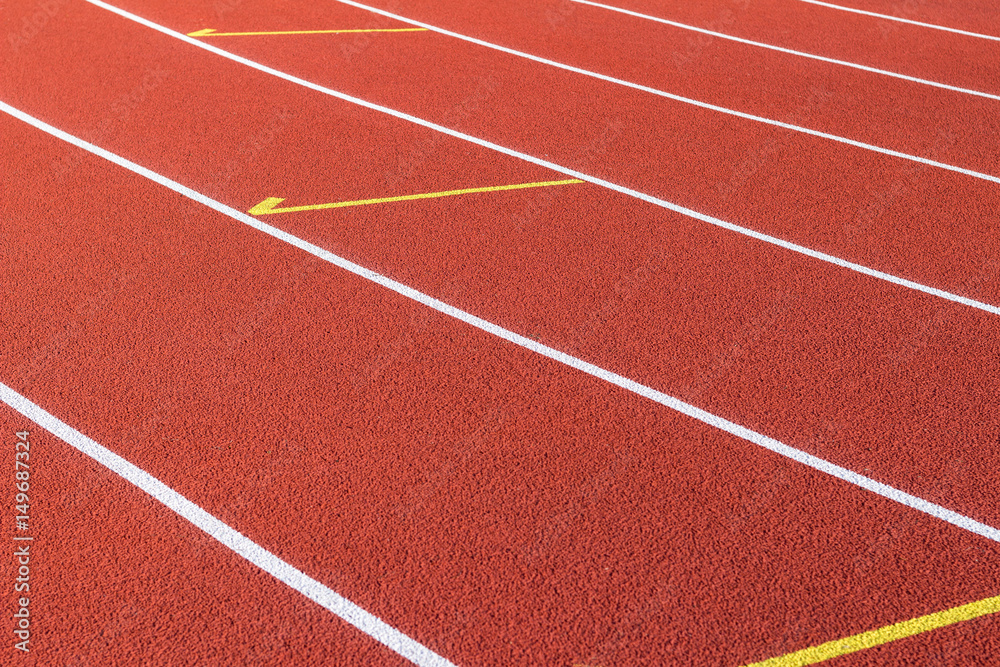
(691, 411)
(815, 254)
(793, 52)
(621, 82)
(239, 544)
(902, 20)
(636, 86)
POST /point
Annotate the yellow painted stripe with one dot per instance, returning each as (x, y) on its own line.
(889, 633)
(209, 32)
(267, 206)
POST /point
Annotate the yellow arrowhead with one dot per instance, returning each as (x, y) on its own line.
(266, 206)
(201, 33)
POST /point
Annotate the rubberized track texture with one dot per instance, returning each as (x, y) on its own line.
(532, 333)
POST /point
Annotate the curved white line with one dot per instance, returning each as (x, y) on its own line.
(889, 17)
(627, 84)
(670, 402)
(232, 539)
(803, 54)
(815, 254)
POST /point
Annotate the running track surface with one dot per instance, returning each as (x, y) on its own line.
(494, 505)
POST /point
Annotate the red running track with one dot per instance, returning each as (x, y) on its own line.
(492, 504)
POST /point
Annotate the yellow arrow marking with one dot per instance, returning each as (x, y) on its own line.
(267, 206)
(210, 32)
(889, 633)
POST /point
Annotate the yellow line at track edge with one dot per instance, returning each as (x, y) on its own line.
(885, 635)
(266, 207)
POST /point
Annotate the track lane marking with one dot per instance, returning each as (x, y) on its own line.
(677, 208)
(715, 421)
(902, 20)
(232, 539)
(568, 68)
(793, 52)
(670, 96)
(267, 206)
(884, 635)
(209, 32)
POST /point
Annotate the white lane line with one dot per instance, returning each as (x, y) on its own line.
(242, 546)
(808, 252)
(902, 20)
(793, 52)
(671, 96)
(739, 114)
(670, 402)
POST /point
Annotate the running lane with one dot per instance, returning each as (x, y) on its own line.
(401, 366)
(880, 211)
(959, 60)
(863, 106)
(978, 16)
(496, 506)
(116, 579)
(895, 386)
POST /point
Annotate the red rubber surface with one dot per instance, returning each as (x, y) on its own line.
(492, 504)
(116, 580)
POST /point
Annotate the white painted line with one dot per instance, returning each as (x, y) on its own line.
(815, 254)
(419, 121)
(230, 538)
(793, 52)
(671, 96)
(691, 411)
(902, 20)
